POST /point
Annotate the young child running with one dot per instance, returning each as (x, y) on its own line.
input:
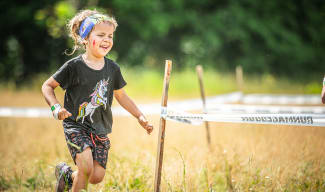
(90, 81)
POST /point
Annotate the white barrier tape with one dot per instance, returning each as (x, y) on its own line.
(196, 104)
(275, 119)
(163, 112)
(173, 115)
(237, 108)
(25, 112)
(281, 99)
(150, 109)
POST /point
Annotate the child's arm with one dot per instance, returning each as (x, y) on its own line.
(126, 102)
(48, 93)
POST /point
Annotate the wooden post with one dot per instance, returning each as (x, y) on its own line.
(239, 78)
(199, 71)
(323, 91)
(161, 135)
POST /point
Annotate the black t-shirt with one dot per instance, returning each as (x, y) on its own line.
(89, 93)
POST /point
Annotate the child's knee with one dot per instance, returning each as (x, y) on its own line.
(84, 171)
(98, 174)
(95, 179)
(84, 162)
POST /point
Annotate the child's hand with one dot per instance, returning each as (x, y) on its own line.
(145, 124)
(63, 113)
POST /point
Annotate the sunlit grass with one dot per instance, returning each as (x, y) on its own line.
(244, 157)
(145, 85)
(185, 84)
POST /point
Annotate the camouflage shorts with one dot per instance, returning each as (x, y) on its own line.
(78, 140)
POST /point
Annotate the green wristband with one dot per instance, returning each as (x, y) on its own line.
(55, 106)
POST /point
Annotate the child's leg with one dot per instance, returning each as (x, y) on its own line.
(97, 174)
(84, 161)
(100, 155)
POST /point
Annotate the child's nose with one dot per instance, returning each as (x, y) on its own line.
(106, 39)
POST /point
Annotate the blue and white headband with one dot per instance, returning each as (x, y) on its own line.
(88, 23)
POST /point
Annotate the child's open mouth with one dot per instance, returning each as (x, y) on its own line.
(104, 47)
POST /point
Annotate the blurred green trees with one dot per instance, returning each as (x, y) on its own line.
(277, 37)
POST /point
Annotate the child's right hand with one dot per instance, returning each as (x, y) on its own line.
(63, 113)
(145, 124)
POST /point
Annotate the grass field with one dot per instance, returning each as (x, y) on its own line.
(146, 86)
(242, 157)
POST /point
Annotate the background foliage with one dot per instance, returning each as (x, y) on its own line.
(282, 38)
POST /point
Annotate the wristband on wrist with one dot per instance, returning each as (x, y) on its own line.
(55, 110)
(142, 117)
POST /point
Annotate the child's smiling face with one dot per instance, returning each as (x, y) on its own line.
(100, 40)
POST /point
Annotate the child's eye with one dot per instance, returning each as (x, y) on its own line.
(100, 35)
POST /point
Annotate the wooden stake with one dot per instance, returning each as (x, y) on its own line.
(161, 136)
(239, 78)
(199, 71)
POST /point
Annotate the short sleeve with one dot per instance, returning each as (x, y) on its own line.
(63, 76)
(119, 81)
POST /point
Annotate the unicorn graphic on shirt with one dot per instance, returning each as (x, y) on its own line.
(97, 99)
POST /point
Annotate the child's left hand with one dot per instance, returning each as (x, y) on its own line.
(145, 124)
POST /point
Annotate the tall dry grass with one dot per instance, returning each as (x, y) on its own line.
(243, 157)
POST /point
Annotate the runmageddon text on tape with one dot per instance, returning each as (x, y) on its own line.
(275, 119)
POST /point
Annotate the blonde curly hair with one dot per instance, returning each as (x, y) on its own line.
(74, 25)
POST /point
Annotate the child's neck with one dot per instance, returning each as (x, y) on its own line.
(92, 61)
(90, 57)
